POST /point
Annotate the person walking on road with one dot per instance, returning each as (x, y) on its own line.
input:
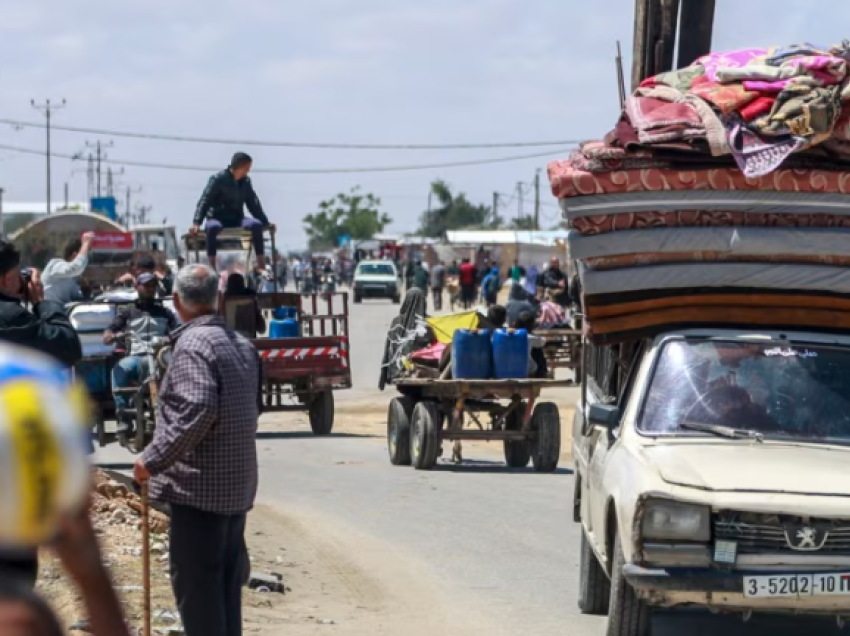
(420, 277)
(438, 284)
(203, 458)
(467, 283)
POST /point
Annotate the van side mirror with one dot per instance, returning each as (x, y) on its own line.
(604, 415)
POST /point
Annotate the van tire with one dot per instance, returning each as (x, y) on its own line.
(594, 588)
(627, 614)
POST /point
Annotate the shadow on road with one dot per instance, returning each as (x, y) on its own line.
(705, 624)
(266, 435)
(483, 466)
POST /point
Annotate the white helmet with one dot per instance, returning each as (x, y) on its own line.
(44, 470)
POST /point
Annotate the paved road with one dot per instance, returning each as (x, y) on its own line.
(499, 546)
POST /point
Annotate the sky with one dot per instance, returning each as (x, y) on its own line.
(332, 71)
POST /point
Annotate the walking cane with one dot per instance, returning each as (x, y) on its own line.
(146, 562)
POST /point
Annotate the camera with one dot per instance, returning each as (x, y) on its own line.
(26, 277)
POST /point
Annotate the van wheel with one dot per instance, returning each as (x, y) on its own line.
(399, 415)
(517, 454)
(322, 413)
(546, 445)
(627, 614)
(594, 588)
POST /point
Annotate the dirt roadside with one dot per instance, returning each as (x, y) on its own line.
(336, 580)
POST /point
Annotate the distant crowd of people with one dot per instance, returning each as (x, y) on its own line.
(468, 283)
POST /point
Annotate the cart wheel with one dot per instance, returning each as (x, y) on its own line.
(425, 436)
(397, 299)
(322, 413)
(398, 430)
(517, 454)
(546, 445)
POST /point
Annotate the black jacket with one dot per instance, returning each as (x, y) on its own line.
(224, 199)
(47, 329)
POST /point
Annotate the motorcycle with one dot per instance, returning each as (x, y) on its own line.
(141, 413)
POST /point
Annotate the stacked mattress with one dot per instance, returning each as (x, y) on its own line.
(676, 234)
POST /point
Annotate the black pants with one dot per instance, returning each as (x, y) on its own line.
(20, 566)
(438, 298)
(209, 566)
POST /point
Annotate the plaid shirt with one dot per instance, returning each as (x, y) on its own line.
(204, 451)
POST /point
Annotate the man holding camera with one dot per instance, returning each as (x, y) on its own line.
(47, 329)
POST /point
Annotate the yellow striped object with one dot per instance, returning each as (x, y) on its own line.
(44, 471)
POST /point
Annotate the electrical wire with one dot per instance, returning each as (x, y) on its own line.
(284, 144)
(167, 166)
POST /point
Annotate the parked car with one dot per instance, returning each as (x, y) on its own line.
(376, 279)
(711, 471)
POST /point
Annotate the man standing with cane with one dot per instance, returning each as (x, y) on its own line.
(203, 458)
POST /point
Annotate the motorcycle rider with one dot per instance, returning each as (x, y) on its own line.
(150, 323)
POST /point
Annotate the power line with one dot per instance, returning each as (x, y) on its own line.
(403, 168)
(289, 144)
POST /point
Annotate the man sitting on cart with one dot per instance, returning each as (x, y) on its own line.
(150, 323)
(222, 206)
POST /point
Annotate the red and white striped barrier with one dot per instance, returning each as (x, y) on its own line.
(300, 353)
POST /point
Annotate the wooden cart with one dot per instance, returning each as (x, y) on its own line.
(562, 351)
(429, 412)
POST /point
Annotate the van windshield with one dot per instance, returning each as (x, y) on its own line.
(376, 269)
(776, 390)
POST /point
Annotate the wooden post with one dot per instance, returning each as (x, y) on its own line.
(695, 30)
(146, 562)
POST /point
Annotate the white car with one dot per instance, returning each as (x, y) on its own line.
(712, 471)
(376, 279)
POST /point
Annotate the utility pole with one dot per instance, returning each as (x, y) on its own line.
(519, 191)
(495, 209)
(99, 157)
(47, 109)
(110, 183)
(537, 200)
(127, 207)
(66, 196)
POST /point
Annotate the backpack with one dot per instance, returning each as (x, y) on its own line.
(493, 284)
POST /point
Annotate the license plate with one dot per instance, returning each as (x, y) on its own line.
(797, 585)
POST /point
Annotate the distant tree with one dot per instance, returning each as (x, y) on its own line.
(454, 212)
(522, 223)
(354, 214)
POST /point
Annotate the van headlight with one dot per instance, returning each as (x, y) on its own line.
(672, 521)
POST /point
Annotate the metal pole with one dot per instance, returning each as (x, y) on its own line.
(537, 200)
(47, 110)
(66, 195)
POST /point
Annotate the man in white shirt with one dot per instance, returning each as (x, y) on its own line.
(60, 277)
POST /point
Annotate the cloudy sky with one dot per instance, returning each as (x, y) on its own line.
(334, 71)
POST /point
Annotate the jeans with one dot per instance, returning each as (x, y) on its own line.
(213, 227)
(128, 372)
(209, 566)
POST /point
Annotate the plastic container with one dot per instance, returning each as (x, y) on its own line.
(282, 313)
(510, 354)
(288, 328)
(472, 355)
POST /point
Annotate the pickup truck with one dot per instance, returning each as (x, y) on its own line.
(712, 472)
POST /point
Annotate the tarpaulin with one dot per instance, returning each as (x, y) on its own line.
(445, 326)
